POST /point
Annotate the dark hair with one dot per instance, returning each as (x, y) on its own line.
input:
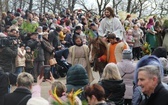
(111, 36)
(78, 28)
(95, 90)
(58, 29)
(160, 52)
(111, 11)
(67, 22)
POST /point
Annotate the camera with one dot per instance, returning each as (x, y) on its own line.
(40, 37)
(6, 41)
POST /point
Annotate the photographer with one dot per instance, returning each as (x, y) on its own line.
(35, 44)
(8, 52)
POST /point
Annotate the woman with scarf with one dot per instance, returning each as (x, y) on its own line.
(150, 37)
(78, 54)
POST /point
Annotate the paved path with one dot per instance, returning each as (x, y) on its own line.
(46, 86)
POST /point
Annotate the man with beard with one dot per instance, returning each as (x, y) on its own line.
(110, 23)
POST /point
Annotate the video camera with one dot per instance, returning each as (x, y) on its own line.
(7, 41)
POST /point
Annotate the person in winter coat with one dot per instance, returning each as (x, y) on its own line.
(20, 59)
(48, 49)
(4, 88)
(36, 46)
(113, 84)
(7, 56)
(127, 68)
(22, 93)
(76, 78)
(149, 79)
(140, 94)
(29, 60)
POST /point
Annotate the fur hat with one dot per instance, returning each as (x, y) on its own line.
(148, 60)
(127, 54)
(37, 101)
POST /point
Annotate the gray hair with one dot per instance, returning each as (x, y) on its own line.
(151, 70)
(25, 79)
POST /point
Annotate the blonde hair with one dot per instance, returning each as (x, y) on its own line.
(61, 88)
(25, 79)
(111, 71)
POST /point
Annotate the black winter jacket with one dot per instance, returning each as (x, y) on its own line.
(114, 90)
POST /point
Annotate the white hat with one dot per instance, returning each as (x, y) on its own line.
(37, 101)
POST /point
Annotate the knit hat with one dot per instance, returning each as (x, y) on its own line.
(14, 21)
(37, 101)
(28, 48)
(74, 73)
(127, 54)
(148, 60)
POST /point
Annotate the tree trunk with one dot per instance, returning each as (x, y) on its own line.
(44, 6)
(21, 2)
(31, 5)
(129, 6)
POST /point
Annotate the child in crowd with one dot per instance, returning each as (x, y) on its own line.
(29, 60)
(130, 39)
(60, 89)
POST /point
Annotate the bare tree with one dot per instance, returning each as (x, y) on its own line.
(115, 5)
(71, 4)
(129, 5)
(31, 5)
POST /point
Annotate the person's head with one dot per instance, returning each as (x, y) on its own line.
(39, 29)
(28, 49)
(129, 32)
(93, 26)
(112, 38)
(68, 22)
(160, 52)
(109, 12)
(22, 46)
(25, 79)
(45, 35)
(60, 88)
(148, 78)
(34, 35)
(135, 27)
(111, 71)
(94, 94)
(78, 41)
(78, 29)
(58, 29)
(20, 20)
(127, 54)
(13, 32)
(77, 71)
(14, 22)
(145, 61)
(151, 21)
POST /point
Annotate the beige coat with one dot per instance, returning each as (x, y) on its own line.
(20, 58)
(79, 55)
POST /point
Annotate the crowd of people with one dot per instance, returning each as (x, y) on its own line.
(30, 41)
